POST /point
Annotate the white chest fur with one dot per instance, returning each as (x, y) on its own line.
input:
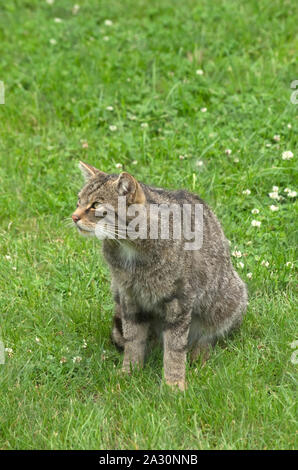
(128, 254)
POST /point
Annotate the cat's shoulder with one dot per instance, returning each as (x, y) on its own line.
(178, 196)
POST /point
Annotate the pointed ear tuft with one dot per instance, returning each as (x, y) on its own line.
(88, 170)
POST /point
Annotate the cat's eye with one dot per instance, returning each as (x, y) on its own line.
(95, 205)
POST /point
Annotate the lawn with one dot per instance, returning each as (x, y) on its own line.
(192, 94)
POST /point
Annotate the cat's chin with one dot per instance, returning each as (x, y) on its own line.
(85, 233)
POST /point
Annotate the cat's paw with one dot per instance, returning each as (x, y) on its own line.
(129, 367)
(180, 385)
(126, 369)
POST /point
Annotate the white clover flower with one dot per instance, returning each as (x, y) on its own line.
(109, 108)
(108, 22)
(228, 151)
(247, 192)
(76, 359)
(255, 223)
(182, 157)
(199, 163)
(265, 263)
(274, 195)
(118, 165)
(237, 254)
(199, 72)
(85, 145)
(9, 351)
(289, 264)
(268, 145)
(84, 346)
(240, 264)
(113, 128)
(236, 160)
(255, 211)
(203, 110)
(75, 9)
(290, 193)
(289, 126)
(275, 189)
(287, 155)
(144, 125)
(53, 42)
(37, 340)
(63, 360)
(134, 162)
(8, 257)
(274, 208)
(276, 138)
(58, 20)
(132, 117)
(249, 275)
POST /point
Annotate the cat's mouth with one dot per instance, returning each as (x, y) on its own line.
(85, 230)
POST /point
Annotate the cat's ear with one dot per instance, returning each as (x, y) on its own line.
(128, 186)
(88, 170)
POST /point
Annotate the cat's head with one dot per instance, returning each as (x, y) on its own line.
(102, 189)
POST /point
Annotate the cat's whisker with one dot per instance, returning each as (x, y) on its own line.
(114, 229)
(67, 221)
(120, 231)
(109, 233)
(69, 225)
(69, 228)
(122, 235)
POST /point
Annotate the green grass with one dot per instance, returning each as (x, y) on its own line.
(54, 285)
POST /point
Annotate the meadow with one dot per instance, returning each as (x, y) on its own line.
(192, 94)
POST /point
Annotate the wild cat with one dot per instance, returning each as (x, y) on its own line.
(188, 297)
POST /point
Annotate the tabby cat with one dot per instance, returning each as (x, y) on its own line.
(187, 298)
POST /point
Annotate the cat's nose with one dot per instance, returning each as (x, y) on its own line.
(75, 218)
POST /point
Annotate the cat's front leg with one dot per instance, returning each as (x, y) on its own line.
(135, 333)
(175, 338)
